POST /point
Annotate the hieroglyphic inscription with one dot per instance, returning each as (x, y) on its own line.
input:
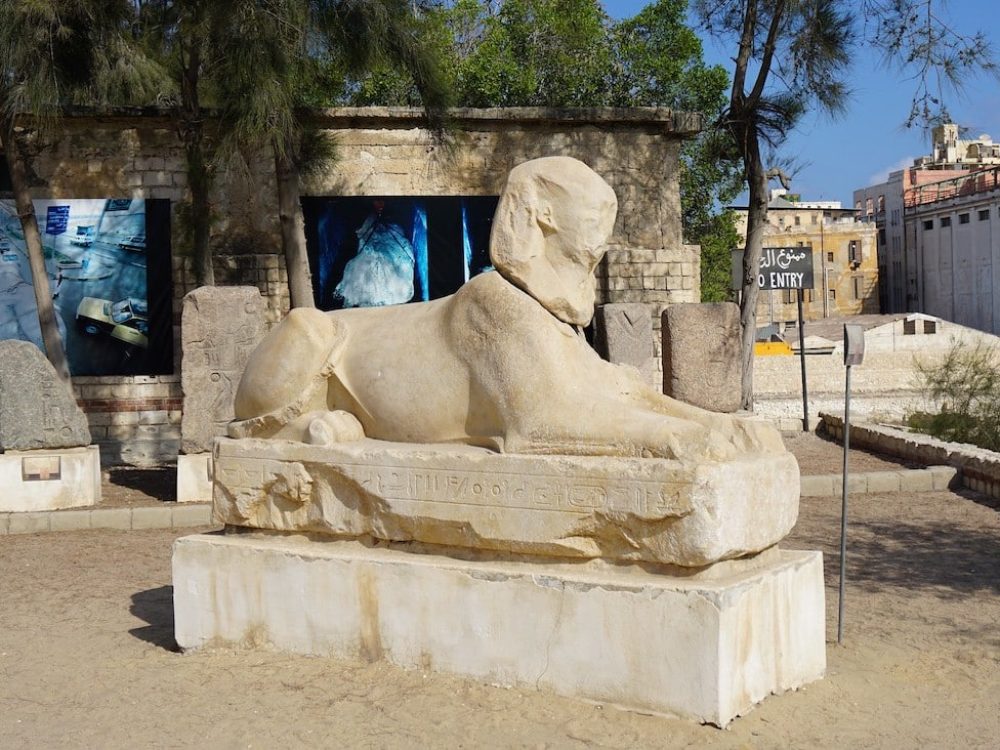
(220, 328)
(579, 494)
(37, 410)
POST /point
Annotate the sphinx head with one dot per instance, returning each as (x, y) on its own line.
(550, 232)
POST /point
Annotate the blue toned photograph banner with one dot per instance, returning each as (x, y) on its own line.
(108, 263)
(372, 251)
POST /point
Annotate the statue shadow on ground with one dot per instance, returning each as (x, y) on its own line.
(156, 607)
(950, 559)
(158, 482)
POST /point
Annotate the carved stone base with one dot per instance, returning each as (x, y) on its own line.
(651, 510)
(706, 646)
(50, 479)
(194, 478)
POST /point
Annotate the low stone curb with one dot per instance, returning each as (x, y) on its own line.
(934, 479)
(164, 516)
(978, 469)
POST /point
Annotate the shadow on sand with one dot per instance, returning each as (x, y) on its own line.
(155, 606)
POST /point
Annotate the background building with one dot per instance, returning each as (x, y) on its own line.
(937, 237)
(845, 269)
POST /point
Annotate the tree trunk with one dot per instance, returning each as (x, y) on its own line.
(293, 234)
(200, 184)
(36, 254)
(193, 133)
(756, 222)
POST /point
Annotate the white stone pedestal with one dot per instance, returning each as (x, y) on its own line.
(706, 646)
(50, 479)
(194, 478)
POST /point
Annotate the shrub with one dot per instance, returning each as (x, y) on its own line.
(966, 386)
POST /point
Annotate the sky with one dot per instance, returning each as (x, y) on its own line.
(837, 156)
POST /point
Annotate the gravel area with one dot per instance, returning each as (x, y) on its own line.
(87, 657)
(817, 455)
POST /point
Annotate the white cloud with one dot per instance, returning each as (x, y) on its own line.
(883, 174)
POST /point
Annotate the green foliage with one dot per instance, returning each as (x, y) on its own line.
(966, 385)
(568, 53)
(718, 240)
(548, 53)
(59, 52)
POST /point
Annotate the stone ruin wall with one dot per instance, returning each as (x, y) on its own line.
(382, 151)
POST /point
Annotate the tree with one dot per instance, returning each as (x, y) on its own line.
(659, 62)
(54, 53)
(271, 54)
(179, 33)
(555, 53)
(791, 55)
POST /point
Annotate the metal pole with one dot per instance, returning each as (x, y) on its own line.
(843, 507)
(802, 358)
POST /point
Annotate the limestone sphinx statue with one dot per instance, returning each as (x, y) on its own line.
(484, 421)
(501, 363)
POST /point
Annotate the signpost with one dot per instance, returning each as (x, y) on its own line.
(854, 354)
(784, 268)
(56, 220)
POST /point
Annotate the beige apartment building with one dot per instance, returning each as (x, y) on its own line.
(938, 225)
(845, 266)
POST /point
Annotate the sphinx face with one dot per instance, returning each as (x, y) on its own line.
(550, 233)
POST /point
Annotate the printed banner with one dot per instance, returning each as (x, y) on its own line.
(108, 263)
(372, 251)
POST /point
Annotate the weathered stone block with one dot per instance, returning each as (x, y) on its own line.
(50, 479)
(220, 327)
(37, 410)
(705, 646)
(701, 355)
(640, 509)
(194, 478)
(623, 335)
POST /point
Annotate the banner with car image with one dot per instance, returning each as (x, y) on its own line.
(108, 263)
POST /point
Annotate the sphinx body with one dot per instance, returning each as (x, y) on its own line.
(498, 364)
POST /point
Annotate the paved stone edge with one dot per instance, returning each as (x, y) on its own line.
(933, 479)
(165, 516)
(978, 469)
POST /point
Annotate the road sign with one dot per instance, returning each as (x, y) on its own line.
(56, 219)
(780, 268)
(118, 204)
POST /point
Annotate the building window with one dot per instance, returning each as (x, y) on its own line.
(881, 238)
(813, 219)
(963, 218)
(788, 296)
(798, 220)
(829, 257)
(945, 221)
(929, 224)
(853, 252)
(869, 206)
(984, 215)
(858, 282)
(881, 204)
(909, 327)
(930, 326)
(832, 293)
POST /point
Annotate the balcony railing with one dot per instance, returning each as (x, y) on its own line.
(954, 187)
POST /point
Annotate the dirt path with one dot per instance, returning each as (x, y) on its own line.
(86, 657)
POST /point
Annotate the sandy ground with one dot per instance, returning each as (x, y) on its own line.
(817, 455)
(87, 658)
